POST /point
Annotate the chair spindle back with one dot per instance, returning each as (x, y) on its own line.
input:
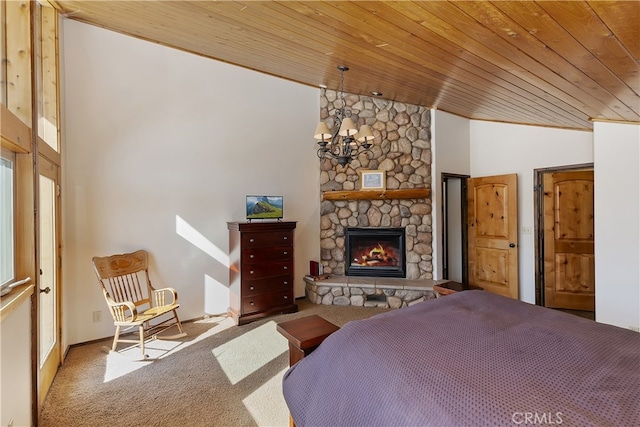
(125, 277)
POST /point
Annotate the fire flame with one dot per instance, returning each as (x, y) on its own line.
(375, 256)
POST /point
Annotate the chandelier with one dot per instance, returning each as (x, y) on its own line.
(344, 142)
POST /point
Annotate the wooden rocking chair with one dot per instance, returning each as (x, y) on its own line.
(132, 300)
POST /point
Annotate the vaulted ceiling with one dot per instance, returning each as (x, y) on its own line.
(547, 63)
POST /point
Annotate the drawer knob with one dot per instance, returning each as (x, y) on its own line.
(286, 297)
(285, 252)
(251, 288)
(285, 267)
(285, 282)
(251, 240)
(285, 237)
(251, 272)
(252, 256)
(251, 303)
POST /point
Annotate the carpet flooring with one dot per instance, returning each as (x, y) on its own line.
(220, 374)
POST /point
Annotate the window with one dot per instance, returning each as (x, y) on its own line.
(7, 240)
(46, 74)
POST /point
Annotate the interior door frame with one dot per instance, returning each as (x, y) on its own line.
(445, 177)
(538, 179)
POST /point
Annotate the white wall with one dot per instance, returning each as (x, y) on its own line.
(450, 154)
(498, 149)
(617, 227)
(15, 366)
(161, 147)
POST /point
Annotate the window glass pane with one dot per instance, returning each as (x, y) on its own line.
(6, 221)
(48, 272)
(47, 77)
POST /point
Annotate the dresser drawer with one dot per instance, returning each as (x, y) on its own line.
(273, 238)
(267, 253)
(266, 301)
(267, 285)
(259, 270)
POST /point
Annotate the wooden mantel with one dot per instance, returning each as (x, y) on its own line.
(409, 193)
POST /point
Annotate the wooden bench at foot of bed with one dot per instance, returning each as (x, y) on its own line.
(304, 335)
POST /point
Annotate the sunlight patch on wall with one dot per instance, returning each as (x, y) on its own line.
(193, 236)
(260, 341)
(272, 405)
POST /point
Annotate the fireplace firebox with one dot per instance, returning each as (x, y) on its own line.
(377, 252)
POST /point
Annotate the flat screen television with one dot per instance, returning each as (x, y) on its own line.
(264, 207)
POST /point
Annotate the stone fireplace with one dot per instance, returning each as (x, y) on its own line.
(375, 252)
(402, 150)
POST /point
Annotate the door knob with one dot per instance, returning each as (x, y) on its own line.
(45, 290)
(512, 245)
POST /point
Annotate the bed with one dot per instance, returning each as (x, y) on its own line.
(469, 359)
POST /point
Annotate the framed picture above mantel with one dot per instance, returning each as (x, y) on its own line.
(373, 180)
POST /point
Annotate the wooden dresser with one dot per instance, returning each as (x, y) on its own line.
(261, 269)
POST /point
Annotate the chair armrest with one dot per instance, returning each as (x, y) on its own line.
(161, 296)
(119, 310)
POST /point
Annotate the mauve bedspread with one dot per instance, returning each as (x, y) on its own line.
(469, 359)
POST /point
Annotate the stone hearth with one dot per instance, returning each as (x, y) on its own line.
(386, 292)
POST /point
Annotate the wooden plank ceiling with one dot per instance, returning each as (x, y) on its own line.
(559, 64)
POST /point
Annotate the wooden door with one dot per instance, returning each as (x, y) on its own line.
(49, 292)
(493, 233)
(569, 261)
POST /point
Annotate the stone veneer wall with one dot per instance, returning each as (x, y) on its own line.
(402, 148)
